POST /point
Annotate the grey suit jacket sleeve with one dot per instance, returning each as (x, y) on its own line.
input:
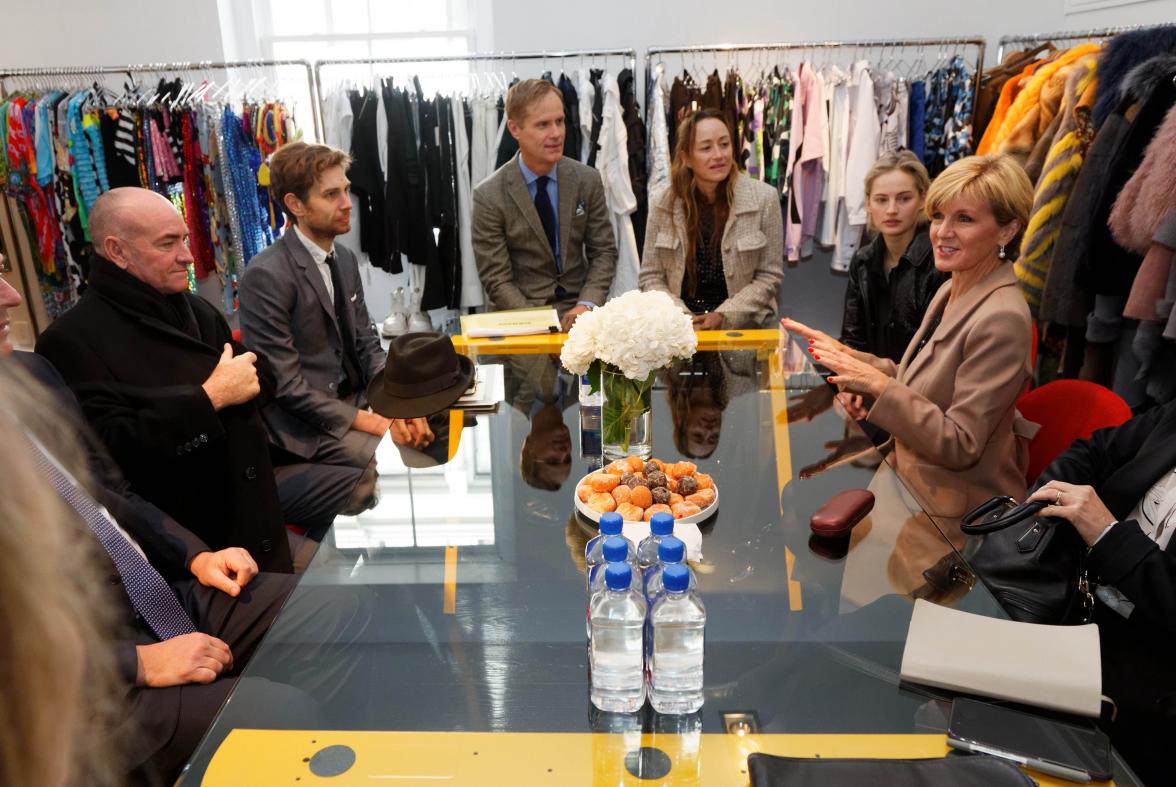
(600, 245)
(491, 253)
(266, 302)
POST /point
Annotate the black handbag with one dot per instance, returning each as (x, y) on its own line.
(1034, 566)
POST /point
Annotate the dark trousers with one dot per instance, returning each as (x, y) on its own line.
(293, 689)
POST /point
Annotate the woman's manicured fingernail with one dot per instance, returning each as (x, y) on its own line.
(817, 357)
(812, 341)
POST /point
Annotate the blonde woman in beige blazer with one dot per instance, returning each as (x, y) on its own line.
(950, 404)
(714, 239)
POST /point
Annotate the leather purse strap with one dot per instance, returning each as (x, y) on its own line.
(1018, 514)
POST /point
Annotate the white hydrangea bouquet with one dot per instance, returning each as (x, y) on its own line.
(620, 347)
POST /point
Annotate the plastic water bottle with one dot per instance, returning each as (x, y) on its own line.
(678, 621)
(617, 549)
(611, 524)
(616, 648)
(670, 551)
(660, 525)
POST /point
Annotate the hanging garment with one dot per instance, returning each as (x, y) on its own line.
(635, 133)
(595, 76)
(337, 120)
(1124, 53)
(613, 163)
(482, 143)
(1022, 118)
(659, 134)
(367, 179)
(810, 131)
(1058, 174)
(471, 285)
(837, 93)
(1075, 274)
(571, 102)
(1149, 197)
(860, 156)
(587, 93)
(443, 274)
(917, 119)
(957, 125)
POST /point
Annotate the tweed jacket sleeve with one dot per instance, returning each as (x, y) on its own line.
(757, 297)
(600, 245)
(656, 259)
(491, 253)
(267, 300)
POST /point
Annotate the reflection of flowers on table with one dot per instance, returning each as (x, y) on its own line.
(619, 347)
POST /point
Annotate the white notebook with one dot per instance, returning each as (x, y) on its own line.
(1054, 667)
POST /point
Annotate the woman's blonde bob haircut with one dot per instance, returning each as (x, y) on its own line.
(998, 181)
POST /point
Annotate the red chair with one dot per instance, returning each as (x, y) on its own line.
(1067, 410)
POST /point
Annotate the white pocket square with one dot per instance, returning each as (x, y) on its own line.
(580, 209)
(353, 297)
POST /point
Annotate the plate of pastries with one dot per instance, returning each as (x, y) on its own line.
(638, 488)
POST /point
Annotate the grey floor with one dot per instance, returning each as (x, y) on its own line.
(813, 294)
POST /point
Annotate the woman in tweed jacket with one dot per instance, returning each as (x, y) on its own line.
(715, 237)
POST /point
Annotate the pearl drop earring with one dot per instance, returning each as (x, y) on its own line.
(1002, 254)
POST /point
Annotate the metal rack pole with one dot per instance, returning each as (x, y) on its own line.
(980, 44)
(1068, 35)
(555, 54)
(205, 65)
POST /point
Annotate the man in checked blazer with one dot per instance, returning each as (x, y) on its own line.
(302, 308)
(541, 228)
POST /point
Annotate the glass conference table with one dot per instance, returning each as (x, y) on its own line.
(439, 637)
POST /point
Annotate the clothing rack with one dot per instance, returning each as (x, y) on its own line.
(153, 68)
(879, 43)
(479, 57)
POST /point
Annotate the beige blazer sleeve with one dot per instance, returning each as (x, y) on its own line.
(491, 253)
(987, 383)
(758, 297)
(600, 245)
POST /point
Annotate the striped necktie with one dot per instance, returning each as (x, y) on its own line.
(149, 592)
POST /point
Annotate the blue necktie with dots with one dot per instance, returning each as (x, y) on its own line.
(149, 592)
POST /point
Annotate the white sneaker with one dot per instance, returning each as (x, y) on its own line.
(419, 322)
(395, 325)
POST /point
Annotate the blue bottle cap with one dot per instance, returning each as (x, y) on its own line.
(671, 550)
(611, 524)
(675, 577)
(615, 549)
(618, 576)
(661, 524)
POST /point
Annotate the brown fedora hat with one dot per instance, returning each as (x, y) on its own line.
(423, 375)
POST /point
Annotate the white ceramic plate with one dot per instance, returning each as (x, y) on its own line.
(594, 515)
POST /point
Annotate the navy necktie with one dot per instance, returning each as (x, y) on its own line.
(149, 592)
(546, 212)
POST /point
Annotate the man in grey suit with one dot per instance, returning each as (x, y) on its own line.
(541, 228)
(302, 308)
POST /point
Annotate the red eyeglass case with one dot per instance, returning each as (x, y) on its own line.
(841, 512)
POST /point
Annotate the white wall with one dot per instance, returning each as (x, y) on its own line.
(639, 24)
(85, 32)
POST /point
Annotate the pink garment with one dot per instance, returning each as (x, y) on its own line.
(1149, 197)
(810, 132)
(1151, 282)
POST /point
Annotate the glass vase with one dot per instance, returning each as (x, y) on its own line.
(626, 414)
